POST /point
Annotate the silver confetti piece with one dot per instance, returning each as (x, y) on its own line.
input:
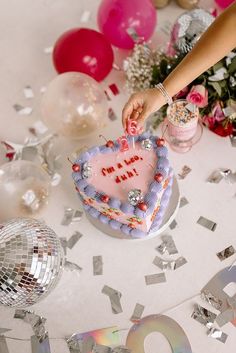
(207, 223)
(56, 179)
(233, 141)
(183, 202)
(138, 312)
(225, 317)
(115, 297)
(28, 92)
(64, 244)
(70, 216)
(203, 316)
(85, 16)
(229, 176)
(184, 172)
(179, 262)
(227, 252)
(3, 345)
(111, 114)
(217, 334)
(173, 225)
(74, 239)
(169, 264)
(39, 127)
(155, 278)
(37, 347)
(74, 345)
(97, 265)
(215, 177)
(71, 266)
(211, 299)
(167, 245)
(133, 34)
(22, 110)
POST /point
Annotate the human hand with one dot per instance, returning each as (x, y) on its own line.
(141, 104)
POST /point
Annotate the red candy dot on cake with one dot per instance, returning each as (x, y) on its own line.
(76, 167)
(158, 177)
(105, 198)
(160, 142)
(142, 206)
(110, 144)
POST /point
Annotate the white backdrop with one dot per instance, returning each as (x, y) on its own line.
(77, 304)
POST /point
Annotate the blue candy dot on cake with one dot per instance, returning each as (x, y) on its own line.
(82, 184)
(144, 136)
(105, 149)
(114, 224)
(155, 187)
(104, 219)
(163, 162)
(114, 203)
(127, 208)
(84, 157)
(139, 213)
(86, 206)
(93, 151)
(90, 191)
(125, 229)
(137, 233)
(76, 176)
(162, 151)
(93, 212)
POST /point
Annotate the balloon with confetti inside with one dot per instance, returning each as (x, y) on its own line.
(74, 105)
(31, 261)
(24, 189)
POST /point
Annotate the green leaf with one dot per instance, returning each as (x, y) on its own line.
(232, 66)
(216, 86)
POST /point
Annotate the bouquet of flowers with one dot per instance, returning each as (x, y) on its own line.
(214, 92)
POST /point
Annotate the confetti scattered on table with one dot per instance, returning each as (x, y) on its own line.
(138, 312)
(71, 266)
(225, 317)
(167, 245)
(22, 110)
(207, 223)
(173, 225)
(215, 177)
(233, 141)
(227, 252)
(155, 278)
(39, 127)
(37, 323)
(169, 264)
(217, 334)
(74, 239)
(184, 172)
(114, 297)
(203, 315)
(97, 265)
(183, 202)
(70, 216)
(111, 114)
(211, 299)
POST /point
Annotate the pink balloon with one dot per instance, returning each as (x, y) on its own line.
(83, 50)
(115, 17)
(224, 3)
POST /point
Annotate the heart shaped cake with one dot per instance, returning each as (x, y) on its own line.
(126, 184)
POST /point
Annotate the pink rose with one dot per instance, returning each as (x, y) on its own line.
(198, 95)
(182, 93)
(217, 112)
(209, 121)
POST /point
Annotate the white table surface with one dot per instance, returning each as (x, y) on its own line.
(77, 304)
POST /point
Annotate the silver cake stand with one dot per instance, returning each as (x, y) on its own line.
(169, 216)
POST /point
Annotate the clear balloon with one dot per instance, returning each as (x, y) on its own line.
(116, 17)
(74, 105)
(31, 261)
(83, 50)
(24, 189)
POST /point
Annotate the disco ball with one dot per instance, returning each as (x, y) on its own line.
(31, 261)
(189, 27)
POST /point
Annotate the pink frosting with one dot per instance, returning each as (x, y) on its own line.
(111, 167)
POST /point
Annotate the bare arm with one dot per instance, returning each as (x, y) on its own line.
(214, 44)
